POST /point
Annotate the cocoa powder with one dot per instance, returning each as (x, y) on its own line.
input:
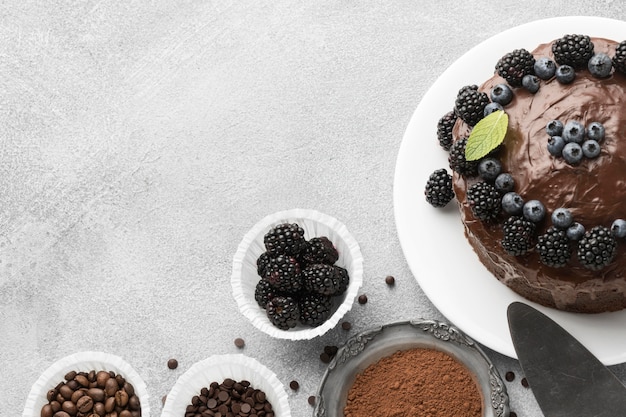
(414, 382)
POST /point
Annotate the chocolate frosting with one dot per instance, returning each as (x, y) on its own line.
(594, 190)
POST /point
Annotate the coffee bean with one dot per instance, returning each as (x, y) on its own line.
(96, 393)
(346, 325)
(389, 280)
(56, 406)
(84, 404)
(294, 385)
(66, 392)
(61, 414)
(82, 381)
(77, 394)
(134, 403)
(109, 404)
(70, 375)
(172, 364)
(509, 376)
(101, 378)
(111, 387)
(125, 413)
(121, 398)
(239, 342)
(362, 299)
(51, 395)
(98, 408)
(130, 390)
(69, 407)
(46, 411)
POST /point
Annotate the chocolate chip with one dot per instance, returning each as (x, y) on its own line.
(172, 364)
(389, 280)
(229, 399)
(312, 400)
(239, 342)
(346, 325)
(524, 382)
(509, 376)
(294, 385)
(331, 350)
(362, 299)
(163, 399)
(512, 414)
(325, 357)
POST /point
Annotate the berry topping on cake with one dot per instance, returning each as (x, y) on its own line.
(565, 74)
(502, 94)
(512, 203)
(489, 169)
(597, 248)
(285, 239)
(573, 50)
(618, 228)
(600, 65)
(439, 188)
(283, 312)
(553, 248)
(545, 68)
(457, 160)
(515, 65)
(484, 200)
(562, 218)
(444, 129)
(314, 309)
(519, 235)
(470, 104)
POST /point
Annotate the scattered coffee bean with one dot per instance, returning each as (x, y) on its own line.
(239, 342)
(389, 280)
(92, 394)
(346, 325)
(172, 364)
(294, 385)
(312, 400)
(524, 382)
(230, 398)
(362, 299)
(509, 376)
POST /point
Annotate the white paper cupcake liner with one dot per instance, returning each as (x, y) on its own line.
(217, 368)
(83, 362)
(315, 224)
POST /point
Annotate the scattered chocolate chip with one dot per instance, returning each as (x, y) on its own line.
(346, 325)
(524, 382)
(239, 342)
(172, 364)
(362, 299)
(509, 376)
(512, 414)
(312, 400)
(389, 280)
(163, 399)
(331, 350)
(294, 385)
(325, 357)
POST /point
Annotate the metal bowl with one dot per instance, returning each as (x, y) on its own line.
(368, 347)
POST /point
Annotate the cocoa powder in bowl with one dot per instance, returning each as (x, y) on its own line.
(418, 381)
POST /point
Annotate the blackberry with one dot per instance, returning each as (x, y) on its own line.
(285, 239)
(444, 129)
(484, 200)
(264, 292)
(439, 188)
(573, 50)
(315, 309)
(553, 248)
(519, 235)
(320, 250)
(596, 249)
(514, 65)
(470, 104)
(262, 262)
(619, 59)
(284, 273)
(283, 312)
(457, 160)
(344, 280)
(322, 279)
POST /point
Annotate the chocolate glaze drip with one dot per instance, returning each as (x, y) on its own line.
(594, 190)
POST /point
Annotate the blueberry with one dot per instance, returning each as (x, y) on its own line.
(574, 132)
(591, 148)
(489, 168)
(501, 93)
(534, 211)
(512, 203)
(600, 65)
(595, 131)
(562, 218)
(531, 83)
(545, 68)
(618, 228)
(554, 128)
(565, 74)
(555, 146)
(572, 153)
(491, 107)
(504, 182)
(575, 231)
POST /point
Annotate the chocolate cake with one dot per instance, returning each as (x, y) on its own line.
(592, 190)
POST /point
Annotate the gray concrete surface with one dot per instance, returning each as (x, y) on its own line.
(139, 141)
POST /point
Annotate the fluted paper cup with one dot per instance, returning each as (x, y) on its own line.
(216, 369)
(83, 362)
(315, 224)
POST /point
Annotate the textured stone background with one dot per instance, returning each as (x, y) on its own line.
(139, 141)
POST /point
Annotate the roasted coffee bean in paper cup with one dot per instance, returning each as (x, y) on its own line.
(314, 224)
(234, 367)
(86, 362)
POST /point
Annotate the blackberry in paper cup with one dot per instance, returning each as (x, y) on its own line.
(86, 383)
(304, 257)
(233, 382)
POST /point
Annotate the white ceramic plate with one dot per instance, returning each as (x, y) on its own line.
(443, 262)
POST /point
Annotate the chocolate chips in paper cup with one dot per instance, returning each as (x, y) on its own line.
(88, 383)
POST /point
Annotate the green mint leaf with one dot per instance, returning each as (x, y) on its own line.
(487, 135)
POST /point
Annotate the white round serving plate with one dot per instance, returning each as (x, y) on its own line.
(444, 264)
